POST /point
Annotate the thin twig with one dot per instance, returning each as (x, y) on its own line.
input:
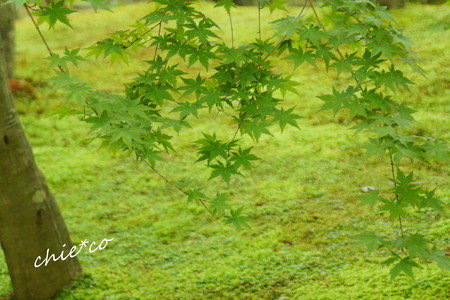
(315, 13)
(41, 35)
(344, 10)
(241, 120)
(157, 45)
(202, 201)
(141, 36)
(259, 20)
(359, 85)
(337, 50)
(282, 39)
(232, 30)
(396, 195)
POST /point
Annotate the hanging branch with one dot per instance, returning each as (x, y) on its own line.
(27, 8)
(232, 29)
(284, 36)
(337, 50)
(141, 36)
(259, 20)
(202, 201)
(157, 45)
(396, 194)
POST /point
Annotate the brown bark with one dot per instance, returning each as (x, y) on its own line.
(30, 221)
(7, 17)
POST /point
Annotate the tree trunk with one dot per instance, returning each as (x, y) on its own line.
(7, 17)
(30, 222)
(392, 3)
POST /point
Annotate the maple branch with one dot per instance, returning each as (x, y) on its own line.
(337, 50)
(27, 8)
(344, 10)
(141, 36)
(396, 194)
(259, 20)
(202, 201)
(282, 39)
(232, 30)
(157, 45)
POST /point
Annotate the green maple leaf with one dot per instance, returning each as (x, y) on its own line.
(108, 47)
(128, 135)
(277, 4)
(440, 258)
(255, 129)
(201, 30)
(223, 170)
(369, 240)
(78, 92)
(96, 4)
(150, 154)
(20, 3)
(219, 203)
(53, 13)
(202, 54)
(176, 124)
(243, 158)
(408, 191)
(237, 219)
(371, 198)
(374, 147)
(430, 201)
(227, 4)
(298, 56)
(101, 123)
(211, 147)
(195, 194)
(64, 79)
(187, 109)
(416, 246)
(212, 97)
(438, 149)
(72, 56)
(63, 111)
(193, 86)
(394, 208)
(288, 26)
(55, 60)
(284, 117)
(372, 61)
(406, 266)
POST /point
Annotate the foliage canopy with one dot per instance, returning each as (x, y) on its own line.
(357, 40)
